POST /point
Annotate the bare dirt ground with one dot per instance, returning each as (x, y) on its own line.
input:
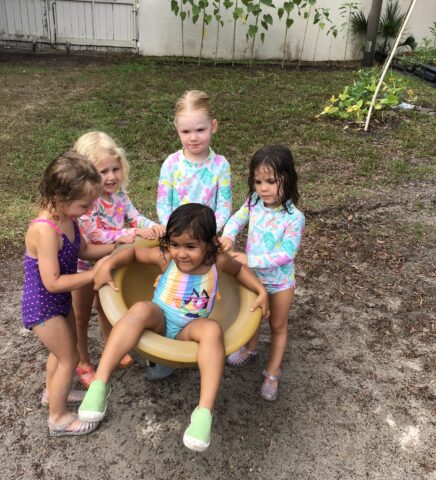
(358, 394)
(357, 399)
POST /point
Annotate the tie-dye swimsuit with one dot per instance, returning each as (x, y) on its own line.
(184, 297)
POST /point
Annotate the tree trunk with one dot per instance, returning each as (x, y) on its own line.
(371, 33)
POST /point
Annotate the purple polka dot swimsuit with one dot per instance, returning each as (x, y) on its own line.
(38, 304)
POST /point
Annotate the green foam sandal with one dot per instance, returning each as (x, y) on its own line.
(93, 407)
(197, 435)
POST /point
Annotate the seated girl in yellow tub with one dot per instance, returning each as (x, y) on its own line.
(190, 258)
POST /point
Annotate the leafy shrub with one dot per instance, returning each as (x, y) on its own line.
(389, 27)
(353, 103)
(425, 54)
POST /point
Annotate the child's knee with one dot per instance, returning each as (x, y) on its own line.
(279, 328)
(82, 317)
(213, 330)
(140, 312)
(140, 308)
(71, 359)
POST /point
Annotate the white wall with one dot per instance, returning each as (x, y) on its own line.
(160, 33)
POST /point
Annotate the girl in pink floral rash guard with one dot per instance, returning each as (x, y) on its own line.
(113, 218)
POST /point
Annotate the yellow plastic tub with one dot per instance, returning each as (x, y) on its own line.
(136, 282)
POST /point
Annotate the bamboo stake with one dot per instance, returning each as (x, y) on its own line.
(388, 62)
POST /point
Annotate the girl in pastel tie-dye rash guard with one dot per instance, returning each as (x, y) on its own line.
(195, 173)
(275, 227)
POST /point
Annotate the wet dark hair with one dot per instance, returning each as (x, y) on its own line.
(279, 159)
(199, 222)
(67, 178)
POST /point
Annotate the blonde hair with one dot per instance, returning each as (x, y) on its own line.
(97, 145)
(193, 100)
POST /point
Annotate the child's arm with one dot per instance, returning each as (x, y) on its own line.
(91, 251)
(247, 278)
(144, 227)
(224, 196)
(95, 225)
(164, 203)
(123, 257)
(235, 225)
(92, 227)
(287, 250)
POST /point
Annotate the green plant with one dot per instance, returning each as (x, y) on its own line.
(238, 14)
(433, 32)
(422, 55)
(306, 15)
(346, 11)
(287, 7)
(197, 10)
(389, 26)
(321, 17)
(254, 8)
(333, 30)
(354, 101)
(425, 54)
(220, 23)
(177, 8)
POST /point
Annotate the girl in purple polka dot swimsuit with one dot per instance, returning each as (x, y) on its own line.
(53, 243)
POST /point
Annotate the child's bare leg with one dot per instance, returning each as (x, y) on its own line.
(82, 306)
(280, 304)
(209, 336)
(52, 364)
(126, 333)
(254, 340)
(104, 323)
(58, 335)
(124, 336)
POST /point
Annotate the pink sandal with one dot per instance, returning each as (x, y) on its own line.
(86, 375)
(270, 387)
(241, 357)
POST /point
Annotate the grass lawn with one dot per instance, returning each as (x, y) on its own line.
(49, 101)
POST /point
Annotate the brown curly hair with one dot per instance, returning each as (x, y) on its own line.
(67, 178)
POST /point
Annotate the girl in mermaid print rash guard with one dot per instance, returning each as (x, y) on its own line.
(274, 235)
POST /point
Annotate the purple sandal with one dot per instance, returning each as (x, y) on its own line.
(270, 387)
(241, 357)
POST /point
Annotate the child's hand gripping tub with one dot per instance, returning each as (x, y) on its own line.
(136, 282)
